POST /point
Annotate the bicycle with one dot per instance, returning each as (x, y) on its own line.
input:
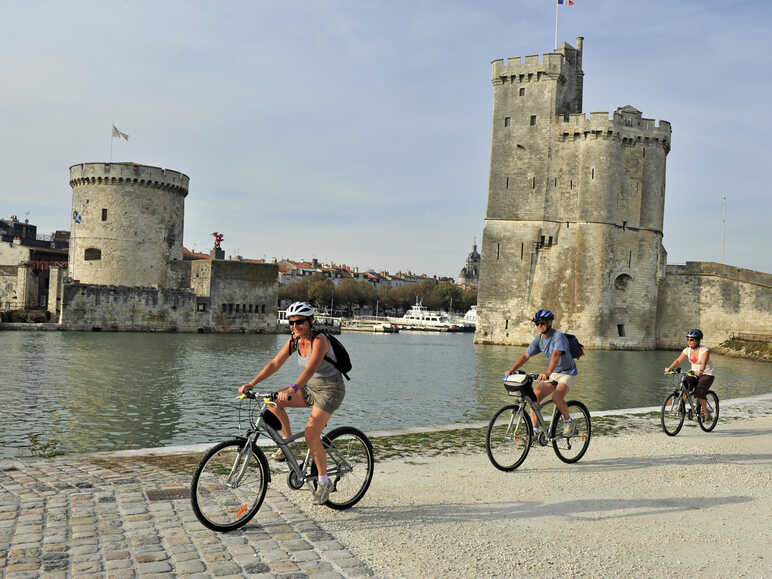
(674, 411)
(510, 433)
(231, 480)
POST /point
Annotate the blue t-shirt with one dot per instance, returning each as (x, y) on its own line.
(557, 341)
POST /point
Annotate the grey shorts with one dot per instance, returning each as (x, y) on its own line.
(326, 393)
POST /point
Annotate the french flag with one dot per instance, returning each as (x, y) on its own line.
(570, 2)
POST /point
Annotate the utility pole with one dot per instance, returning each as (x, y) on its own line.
(723, 229)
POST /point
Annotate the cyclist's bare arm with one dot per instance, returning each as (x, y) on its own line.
(677, 362)
(270, 368)
(520, 361)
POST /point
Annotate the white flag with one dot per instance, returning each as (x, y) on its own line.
(119, 135)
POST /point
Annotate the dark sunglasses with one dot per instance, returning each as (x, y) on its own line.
(540, 323)
(691, 339)
(297, 322)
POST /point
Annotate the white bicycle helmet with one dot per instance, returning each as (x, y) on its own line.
(300, 309)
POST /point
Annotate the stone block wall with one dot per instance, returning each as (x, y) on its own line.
(243, 296)
(122, 308)
(719, 299)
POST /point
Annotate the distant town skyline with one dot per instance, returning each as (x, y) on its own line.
(361, 132)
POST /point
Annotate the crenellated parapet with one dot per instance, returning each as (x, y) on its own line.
(625, 125)
(129, 173)
(566, 61)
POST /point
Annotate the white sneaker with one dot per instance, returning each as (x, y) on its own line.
(322, 492)
(569, 428)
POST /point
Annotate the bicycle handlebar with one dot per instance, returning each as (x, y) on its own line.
(272, 396)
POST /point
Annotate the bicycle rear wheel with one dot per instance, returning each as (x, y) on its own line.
(350, 466)
(709, 423)
(672, 414)
(571, 447)
(508, 438)
(229, 485)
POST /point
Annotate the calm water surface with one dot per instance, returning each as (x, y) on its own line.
(100, 391)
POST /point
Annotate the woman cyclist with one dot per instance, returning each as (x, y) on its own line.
(320, 385)
(702, 366)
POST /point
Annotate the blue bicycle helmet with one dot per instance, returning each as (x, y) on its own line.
(694, 333)
(543, 315)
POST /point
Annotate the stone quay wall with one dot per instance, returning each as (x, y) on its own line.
(721, 300)
(129, 308)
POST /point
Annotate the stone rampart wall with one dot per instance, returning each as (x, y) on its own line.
(121, 308)
(719, 299)
(243, 296)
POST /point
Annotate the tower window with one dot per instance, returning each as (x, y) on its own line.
(621, 330)
(104, 214)
(541, 241)
(498, 250)
(506, 121)
(522, 251)
(533, 120)
(592, 174)
(92, 254)
(224, 308)
(506, 324)
(556, 181)
(533, 182)
(571, 184)
(550, 241)
(522, 92)
(507, 182)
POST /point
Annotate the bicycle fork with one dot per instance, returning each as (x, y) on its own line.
(239, 468)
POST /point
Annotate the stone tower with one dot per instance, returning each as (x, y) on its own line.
(575, 210)
(127, 225)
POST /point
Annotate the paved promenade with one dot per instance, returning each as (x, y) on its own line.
(113, 515)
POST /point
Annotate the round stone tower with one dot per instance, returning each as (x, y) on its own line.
(126, 224)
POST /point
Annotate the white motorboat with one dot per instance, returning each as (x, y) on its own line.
(424, 319)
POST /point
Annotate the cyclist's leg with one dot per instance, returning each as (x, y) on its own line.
(316, 423)
(559, 396)
(542, 390)
(704, 383)
(297, 401)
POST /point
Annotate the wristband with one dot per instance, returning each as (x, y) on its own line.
(294, 387)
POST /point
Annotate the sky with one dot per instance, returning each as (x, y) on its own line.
(358, 132)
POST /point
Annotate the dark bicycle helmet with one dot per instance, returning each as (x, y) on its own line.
(543, 315)
(694, 333)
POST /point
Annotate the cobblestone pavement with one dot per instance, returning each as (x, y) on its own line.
(108, 516)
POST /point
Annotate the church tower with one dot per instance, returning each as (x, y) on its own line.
(575, 209)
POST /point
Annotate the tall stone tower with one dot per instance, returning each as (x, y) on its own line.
(575, 209)
(127, 225)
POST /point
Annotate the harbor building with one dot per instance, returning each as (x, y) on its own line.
(126, 268)
(574, 223)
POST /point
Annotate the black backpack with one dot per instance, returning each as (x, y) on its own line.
(343, 364)
(574, 346)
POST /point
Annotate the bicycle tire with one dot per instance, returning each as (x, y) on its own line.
(217, 504)
(510, 436)
(351, 445)
(566, 448)
(712, 399)
(672, 414)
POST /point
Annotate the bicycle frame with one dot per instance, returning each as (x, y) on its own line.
(526, 400)
(301, 471)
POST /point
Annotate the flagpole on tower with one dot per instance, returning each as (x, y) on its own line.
(557, 5)
(112, 136)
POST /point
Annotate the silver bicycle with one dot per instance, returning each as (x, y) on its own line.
(681, 404)
(232, 478)
(510, 433)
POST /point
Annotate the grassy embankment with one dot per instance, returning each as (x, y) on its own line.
(761, 351)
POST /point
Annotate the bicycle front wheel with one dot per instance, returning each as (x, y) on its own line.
(508, 438)
(672, 414)
(708, 423)
(350, 466)
(571, 443)
(229, 485)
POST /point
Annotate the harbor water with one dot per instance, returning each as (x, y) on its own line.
(109, 391)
